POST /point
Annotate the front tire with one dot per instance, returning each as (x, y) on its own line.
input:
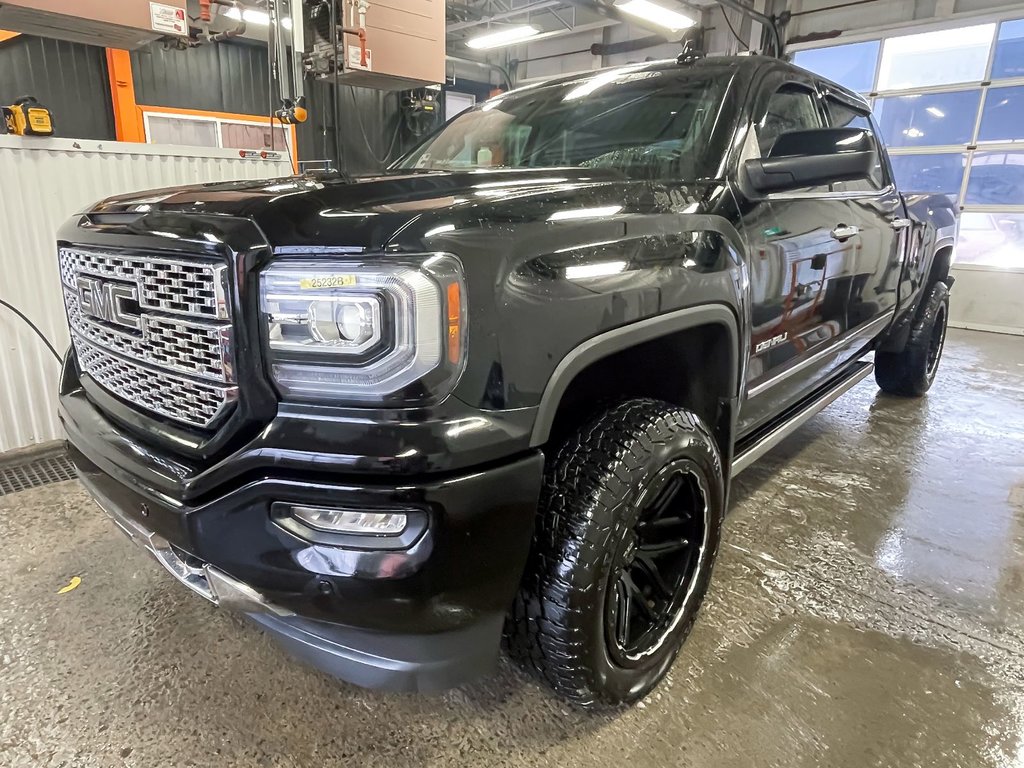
(629, 524)
(911, 373)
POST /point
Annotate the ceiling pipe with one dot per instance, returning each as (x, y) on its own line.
(485, 65)
(626, 46)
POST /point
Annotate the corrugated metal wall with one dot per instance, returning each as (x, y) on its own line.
(232, 77)
(53, 181)
(227, 77)
(69, 78)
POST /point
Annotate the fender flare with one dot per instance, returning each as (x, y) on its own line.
(618, 339)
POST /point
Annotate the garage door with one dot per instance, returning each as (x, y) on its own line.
(949, 104)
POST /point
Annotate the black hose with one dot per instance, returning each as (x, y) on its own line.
(334, 93)
(725, 15)
(33, 326)
(270, 82)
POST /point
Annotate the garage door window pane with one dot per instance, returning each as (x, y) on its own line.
(991, 239)
(182, 131)
(246, 136)
(850, 65)
(936, 58)
(1003, 116)
(939, 174)
(928, 119)
(997, 178)
(1009, 60)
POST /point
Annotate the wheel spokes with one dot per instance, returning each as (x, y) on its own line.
(665, 497)
(623, 613)
(662, 548)
(654, 577)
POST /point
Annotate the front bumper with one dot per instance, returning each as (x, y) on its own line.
(375, 660)
(423, 617)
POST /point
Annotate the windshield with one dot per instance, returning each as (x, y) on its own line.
(645, 124)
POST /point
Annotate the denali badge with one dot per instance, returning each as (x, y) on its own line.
(105, 301)
(774, 341)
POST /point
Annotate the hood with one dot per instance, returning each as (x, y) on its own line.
(403, 209)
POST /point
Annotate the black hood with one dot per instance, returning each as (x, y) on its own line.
(373, 213)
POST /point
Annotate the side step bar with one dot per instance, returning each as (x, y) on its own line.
(762, 445)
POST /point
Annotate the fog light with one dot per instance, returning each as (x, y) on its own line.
(351, 521)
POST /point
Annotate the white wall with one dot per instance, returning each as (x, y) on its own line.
(987, 300)
(45, 181)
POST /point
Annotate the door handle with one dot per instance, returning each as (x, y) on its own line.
(843, 232)
(899, 223)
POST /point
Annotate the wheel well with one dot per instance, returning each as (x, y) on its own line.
(940, 265)
(692, 368)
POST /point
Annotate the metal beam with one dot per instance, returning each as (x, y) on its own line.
(506, 15)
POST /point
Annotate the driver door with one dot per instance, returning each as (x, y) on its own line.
(793, 248)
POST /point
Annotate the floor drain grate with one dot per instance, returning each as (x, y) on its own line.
(52, 469)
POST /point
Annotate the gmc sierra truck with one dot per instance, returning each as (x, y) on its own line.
(499, 390)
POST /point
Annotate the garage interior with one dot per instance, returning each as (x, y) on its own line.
(867, 606)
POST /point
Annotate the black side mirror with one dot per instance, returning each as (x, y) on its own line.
(807, 158)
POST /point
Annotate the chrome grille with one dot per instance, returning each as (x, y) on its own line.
(182, 346)
(175, 357)
(165, 285)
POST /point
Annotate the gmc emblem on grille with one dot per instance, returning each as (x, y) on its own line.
(106, 301)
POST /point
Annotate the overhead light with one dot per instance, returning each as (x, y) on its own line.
(656, 14)
(506, 36)
(254, 16)
(913, 133)
(935, 112)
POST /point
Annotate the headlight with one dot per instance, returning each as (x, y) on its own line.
(381, 331)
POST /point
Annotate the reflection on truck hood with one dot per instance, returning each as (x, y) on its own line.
(370, 212)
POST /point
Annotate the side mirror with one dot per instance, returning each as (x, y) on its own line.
(807, 158)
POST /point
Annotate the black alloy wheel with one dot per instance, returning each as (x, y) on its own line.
(656, 563)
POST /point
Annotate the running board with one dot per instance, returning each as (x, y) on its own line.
(764, 444)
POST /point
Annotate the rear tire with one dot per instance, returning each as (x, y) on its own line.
(628, 529)
(910, 373)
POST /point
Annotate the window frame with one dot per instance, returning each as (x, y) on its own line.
(827, 94)
(985, 85)
(219, 118)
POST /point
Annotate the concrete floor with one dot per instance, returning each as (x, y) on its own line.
(867, 610)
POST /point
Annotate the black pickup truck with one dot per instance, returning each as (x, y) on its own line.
(501, 389)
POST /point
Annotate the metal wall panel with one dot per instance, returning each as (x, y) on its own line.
(232, 77)
(69, 78)
(226, 77)
(54, 180)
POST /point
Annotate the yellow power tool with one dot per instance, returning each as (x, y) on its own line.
(27, 117)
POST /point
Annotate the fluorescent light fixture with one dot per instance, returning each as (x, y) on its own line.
(585, 213)
(656, 14)
(935, 112)
(506, 36)
(600, 269)
(254, 16)
(913, 133)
